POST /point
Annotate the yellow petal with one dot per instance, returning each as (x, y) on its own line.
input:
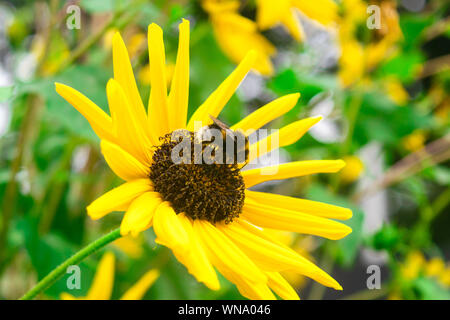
(267, 113)
(219, 98)
(293, 25)
(322, 11)
(122, 163)
(157, 106)
(284, 137)
(282, 219)
(102, 284)
(123, 74)
(130, 134)
(118, 197)
(138, 290)
(179, 91)
(266, 254)
(308, 269)
(140, 213)
(100, 122)
(131, 246)
(278, 284)
(319, 209)
(169, 230)
(249, 289)
(196, 259)
(223, 252)
(289, 170)
(271, 12)
(66, 296)
(218, 7)
(237, 36)
(434, 267)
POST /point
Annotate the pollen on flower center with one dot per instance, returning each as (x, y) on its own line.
(213, 192)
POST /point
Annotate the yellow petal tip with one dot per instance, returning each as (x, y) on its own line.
(91, 214)
(153, 27)
(117, 38)
(348, 214)
(124, 231)
(340, 164)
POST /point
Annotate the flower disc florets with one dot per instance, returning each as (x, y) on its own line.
(208, 191)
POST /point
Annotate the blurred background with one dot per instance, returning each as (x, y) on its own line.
(378, 71)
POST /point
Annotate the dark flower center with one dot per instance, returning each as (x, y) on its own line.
(212, 192)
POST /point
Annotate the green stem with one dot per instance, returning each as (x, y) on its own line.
(352, 115)
(27, 132)
(73, 260)
(57, 188)
(95, 37)
(355, 106)
(440, 203)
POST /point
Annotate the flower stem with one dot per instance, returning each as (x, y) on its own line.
(73, 260)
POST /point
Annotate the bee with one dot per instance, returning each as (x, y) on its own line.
(234, 145)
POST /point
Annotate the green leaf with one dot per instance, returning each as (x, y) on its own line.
(413, 26)
(47, 252)
(6, 93)
(289, 81)
(429, 289)
(439, 174)
(386, 238)
(405, 66)
(102, 6)
(90, 80)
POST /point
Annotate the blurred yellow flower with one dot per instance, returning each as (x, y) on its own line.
(136, 43)
(352, 170)
(351, 62)
(108, 38)
(441, 100)
(60, 52)
(413, 265)
(389, 32)
(271, 13)
(132, 246)
(444, 277)
(434, 267)
(414, 141)
(396, 91)
(237, 35)
(102, 285)
(144, 74)
(416, 265)
(357, 58)
(135, 40)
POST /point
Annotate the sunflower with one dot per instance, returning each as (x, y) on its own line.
(102, 284)
(205, 213)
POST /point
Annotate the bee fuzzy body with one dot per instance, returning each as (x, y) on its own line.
(234, 145)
